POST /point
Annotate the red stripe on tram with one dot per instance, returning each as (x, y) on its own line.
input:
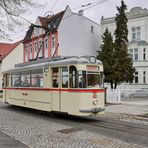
(57, 89)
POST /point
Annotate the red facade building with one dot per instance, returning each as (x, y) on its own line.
(41, 40)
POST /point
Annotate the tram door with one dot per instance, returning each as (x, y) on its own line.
(5, 84)
(55, 95)
(59, 81)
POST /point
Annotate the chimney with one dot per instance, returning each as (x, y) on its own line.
(81, 12)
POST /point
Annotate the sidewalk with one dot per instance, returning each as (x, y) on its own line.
(132, 106)
(128, 108)
(8, 142)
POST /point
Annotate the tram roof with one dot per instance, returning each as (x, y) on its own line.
(55, 61)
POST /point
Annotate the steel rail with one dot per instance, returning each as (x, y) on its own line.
(122, 127)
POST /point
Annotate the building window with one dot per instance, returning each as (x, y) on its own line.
(26, 52)
(53, 41)
(92, 29)
(35, 46)
(35, 49)
(144, 77)
(40, 48)
(136, 33)
(144, 53)
(26, 49)
(53, 44)
(46, 44)
(46, 47)
(133, 54)
(30, 50)
(133, 34)
(136, 77)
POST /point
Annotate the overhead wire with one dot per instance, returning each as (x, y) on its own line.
(88, 4)
(93, 5)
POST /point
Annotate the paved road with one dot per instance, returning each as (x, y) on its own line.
(143, 101)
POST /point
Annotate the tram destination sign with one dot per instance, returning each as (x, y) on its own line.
(92, 68)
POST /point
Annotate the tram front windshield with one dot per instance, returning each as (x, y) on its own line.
(94, 80)
(90, 79)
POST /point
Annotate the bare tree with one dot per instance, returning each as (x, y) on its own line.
(12, 14)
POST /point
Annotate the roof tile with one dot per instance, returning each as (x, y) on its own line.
(6, 48)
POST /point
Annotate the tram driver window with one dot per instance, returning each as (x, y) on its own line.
(55, 77)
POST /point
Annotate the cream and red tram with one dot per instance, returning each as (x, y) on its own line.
(69, 85)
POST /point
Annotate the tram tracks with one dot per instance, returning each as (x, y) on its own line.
(122, 127)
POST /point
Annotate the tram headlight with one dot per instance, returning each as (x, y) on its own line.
(95, 102)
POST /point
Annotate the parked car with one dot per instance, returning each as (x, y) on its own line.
(139, 93)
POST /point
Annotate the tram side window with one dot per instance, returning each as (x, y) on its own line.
(25, 79)
(15, 79)
(37, 78)
(73, 77)
(82, 79)
(65, 77)
(55, 77)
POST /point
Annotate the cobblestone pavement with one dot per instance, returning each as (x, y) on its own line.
(135, 101)
(127, 109)
(38, 132)
(130, 110)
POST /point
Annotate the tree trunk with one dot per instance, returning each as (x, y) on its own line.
(115, 85)
(111, 85)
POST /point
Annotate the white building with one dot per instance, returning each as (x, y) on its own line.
(138, 43)
(10, 54)
(78, 35)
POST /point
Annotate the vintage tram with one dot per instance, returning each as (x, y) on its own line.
(72, 85)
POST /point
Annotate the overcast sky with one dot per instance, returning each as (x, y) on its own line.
(107, 9)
